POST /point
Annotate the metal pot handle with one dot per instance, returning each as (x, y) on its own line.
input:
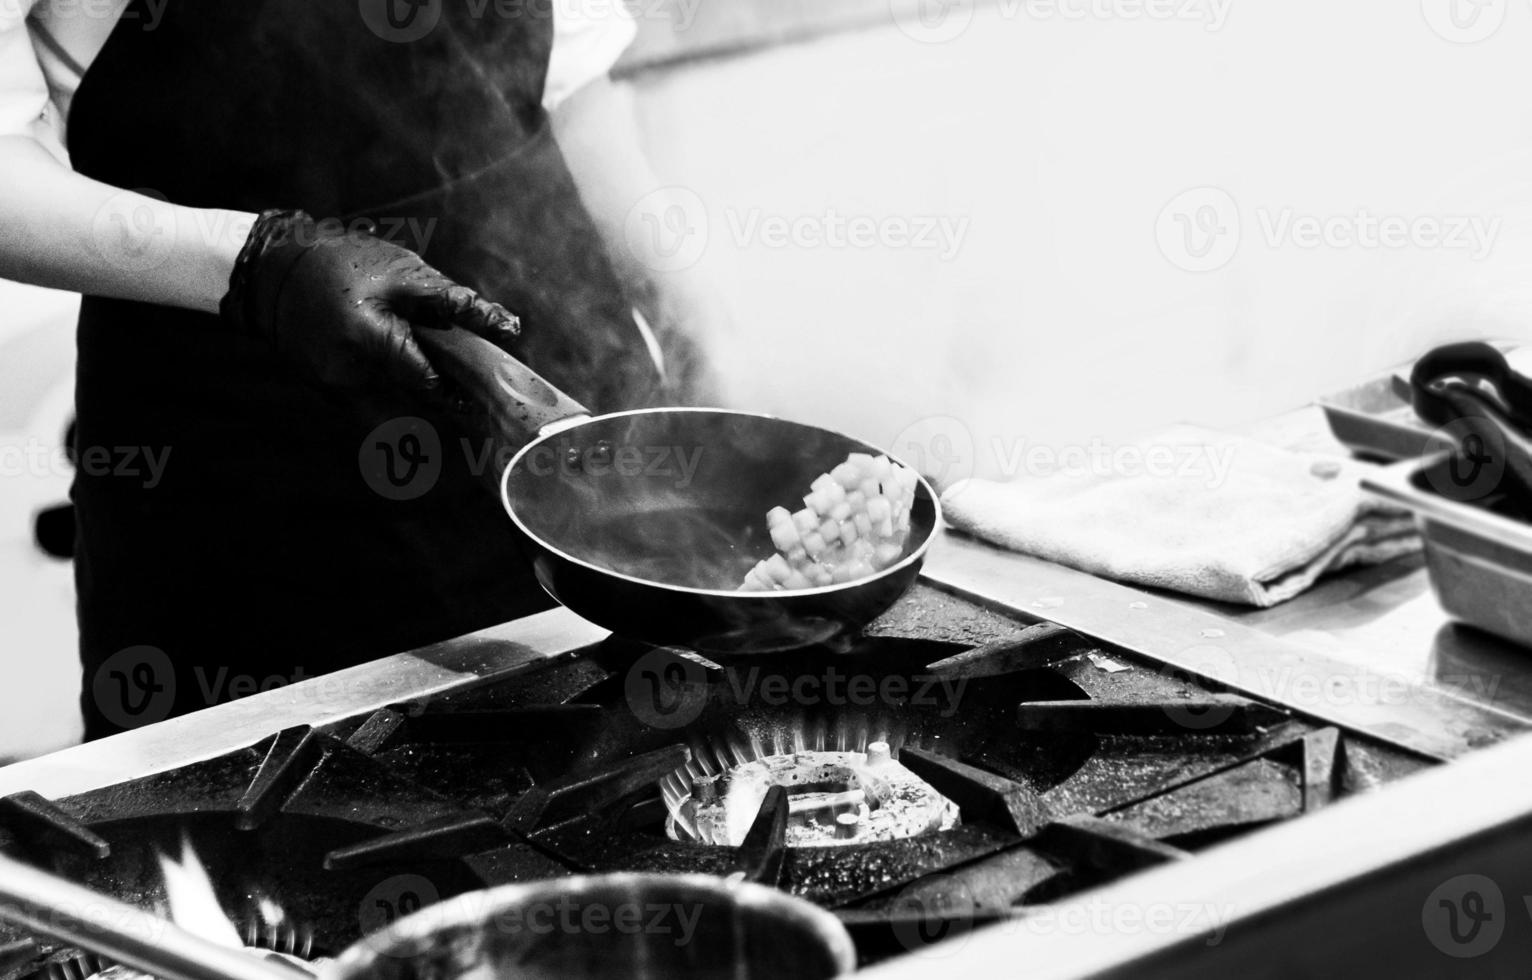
(519, 403)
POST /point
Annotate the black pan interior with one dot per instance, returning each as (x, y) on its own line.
(677, 497)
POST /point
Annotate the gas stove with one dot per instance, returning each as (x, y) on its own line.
(955, 770)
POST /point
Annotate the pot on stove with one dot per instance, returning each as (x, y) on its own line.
(631, 925)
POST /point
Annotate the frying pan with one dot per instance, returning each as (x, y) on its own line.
(645, 522)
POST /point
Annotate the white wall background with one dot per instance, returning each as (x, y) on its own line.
(1059, 318)
(1061, 141)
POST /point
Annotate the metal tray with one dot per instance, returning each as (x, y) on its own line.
(1479, 556)
(1375, 418)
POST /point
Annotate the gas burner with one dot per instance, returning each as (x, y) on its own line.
(283, 942)
(834, 798)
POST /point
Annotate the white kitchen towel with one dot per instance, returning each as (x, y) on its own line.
(1190, 510)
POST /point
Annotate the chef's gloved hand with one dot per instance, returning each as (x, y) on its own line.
(341, 305)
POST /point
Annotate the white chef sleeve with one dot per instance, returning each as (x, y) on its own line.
(23, 91)
(588, 38)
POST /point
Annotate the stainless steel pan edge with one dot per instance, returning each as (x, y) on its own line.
(1396, 483)
(914, 559)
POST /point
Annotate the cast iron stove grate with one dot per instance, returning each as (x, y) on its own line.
(1068, 767)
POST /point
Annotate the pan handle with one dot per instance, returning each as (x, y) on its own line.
(519, 402)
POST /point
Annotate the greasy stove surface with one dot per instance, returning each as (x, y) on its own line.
(1070, 766)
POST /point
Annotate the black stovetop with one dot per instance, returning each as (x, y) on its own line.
(1071, 765)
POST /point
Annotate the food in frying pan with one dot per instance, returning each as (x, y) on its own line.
(855, 522)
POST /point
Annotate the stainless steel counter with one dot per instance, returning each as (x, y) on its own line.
(497, 652)
(1363, 670)
(1369, 649)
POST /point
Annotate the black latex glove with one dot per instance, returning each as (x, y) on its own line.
(341, 305)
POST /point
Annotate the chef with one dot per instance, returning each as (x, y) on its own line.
(264, 200)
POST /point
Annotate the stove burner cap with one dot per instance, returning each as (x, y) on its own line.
(834, 799)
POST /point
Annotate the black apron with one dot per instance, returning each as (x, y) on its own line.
(293, 530)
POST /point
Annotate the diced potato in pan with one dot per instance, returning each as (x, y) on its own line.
(855, 522)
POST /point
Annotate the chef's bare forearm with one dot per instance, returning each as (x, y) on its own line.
(66, 231)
